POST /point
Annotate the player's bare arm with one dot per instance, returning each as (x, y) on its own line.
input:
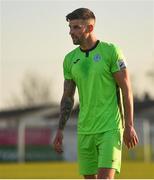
(66, 106)
(123, 80)
(67, 102)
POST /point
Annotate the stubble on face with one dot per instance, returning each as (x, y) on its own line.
(77, 31)
(77, 40)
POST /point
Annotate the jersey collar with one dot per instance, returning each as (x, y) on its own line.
(97, 42)
(88, 50)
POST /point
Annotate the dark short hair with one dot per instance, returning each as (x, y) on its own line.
(81, 13)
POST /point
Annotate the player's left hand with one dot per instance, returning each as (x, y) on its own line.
(58, 141)
(130, 137)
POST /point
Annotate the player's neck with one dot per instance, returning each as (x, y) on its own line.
(88, 43)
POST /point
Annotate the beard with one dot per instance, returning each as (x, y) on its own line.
(76, 41)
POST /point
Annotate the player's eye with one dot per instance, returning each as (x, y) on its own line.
(76, 27)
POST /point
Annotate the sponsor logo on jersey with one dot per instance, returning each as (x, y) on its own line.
(97, 58)
(121, 64)
(76, 61)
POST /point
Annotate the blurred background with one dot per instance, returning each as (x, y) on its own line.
(34, 40)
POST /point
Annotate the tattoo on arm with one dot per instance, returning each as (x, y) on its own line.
(67, 102)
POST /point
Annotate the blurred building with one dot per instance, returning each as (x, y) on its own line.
(27, 134)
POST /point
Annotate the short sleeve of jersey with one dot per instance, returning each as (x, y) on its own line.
(67, 69)
(118, 60)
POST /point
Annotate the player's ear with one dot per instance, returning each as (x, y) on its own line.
(90, 28)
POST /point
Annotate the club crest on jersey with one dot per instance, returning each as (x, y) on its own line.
(97, 58)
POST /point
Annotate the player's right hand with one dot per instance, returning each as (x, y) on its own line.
(58, 141)
(130, 137)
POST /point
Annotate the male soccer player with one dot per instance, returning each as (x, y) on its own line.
(99, 72)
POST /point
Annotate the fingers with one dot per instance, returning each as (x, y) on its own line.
(128, 144)
(57, 144)
(135, 140)
(131, 142)
(58, 148)
(130, 137)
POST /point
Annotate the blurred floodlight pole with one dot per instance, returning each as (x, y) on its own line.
(146, 140)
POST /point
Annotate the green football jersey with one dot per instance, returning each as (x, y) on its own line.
(99, 95)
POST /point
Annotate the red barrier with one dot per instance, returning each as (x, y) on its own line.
(33, 136)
